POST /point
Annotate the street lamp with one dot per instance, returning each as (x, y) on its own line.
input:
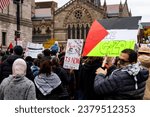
(17, 33)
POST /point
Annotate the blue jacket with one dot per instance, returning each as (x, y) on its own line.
(121, 85)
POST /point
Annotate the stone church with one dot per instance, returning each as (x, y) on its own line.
(72, 20)
(8, 25)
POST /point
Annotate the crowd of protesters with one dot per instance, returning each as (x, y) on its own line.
(123, 78)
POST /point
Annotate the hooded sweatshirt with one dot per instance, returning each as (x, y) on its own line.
(17, 86)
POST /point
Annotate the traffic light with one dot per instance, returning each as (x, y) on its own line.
(17, 34)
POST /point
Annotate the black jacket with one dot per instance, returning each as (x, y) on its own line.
(120, 85)
(6, 68)
(57, 94)
(86, 82)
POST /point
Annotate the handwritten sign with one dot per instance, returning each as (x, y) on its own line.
(33, 49)
(115, 42)
(73, 53)
(112, 48)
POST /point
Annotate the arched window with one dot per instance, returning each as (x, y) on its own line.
(87, 29)
(73, 32)
(82, 32)
(34, 31)
(48, 31)
(38, 30)
(69, 32)
(78, 31)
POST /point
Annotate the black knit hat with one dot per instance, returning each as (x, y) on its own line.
(18, 50)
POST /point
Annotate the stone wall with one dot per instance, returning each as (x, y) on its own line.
(8, 22)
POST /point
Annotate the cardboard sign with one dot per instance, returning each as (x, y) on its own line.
(73, 54)
(33, 49)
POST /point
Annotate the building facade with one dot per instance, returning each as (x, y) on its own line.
(8, 21)
(73, 20)
(43, 24)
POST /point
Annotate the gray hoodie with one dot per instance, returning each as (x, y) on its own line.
(20, 88)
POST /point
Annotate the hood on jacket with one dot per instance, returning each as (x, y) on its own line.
(19, 67)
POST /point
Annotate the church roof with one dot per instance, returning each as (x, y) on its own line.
(121, 23)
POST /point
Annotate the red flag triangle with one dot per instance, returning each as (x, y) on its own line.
(96, 33)
(10, 46)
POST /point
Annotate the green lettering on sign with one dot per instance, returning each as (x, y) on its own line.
(111, 48)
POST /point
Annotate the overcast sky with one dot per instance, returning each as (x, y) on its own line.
(138, 7)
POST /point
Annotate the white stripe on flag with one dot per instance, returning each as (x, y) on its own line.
(4, 3)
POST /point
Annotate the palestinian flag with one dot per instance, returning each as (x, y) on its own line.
(96, 34)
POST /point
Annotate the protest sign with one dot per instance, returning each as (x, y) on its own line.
(33, 49)
(73, 54)
(115, 42)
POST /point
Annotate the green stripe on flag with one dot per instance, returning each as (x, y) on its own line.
(111, 48)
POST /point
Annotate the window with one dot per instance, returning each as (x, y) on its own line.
(73, 32)
(78, 31)
(78, 14)
(4, 38)
(69, 32)
(82, 30)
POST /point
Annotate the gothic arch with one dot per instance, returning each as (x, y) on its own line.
(77, 8)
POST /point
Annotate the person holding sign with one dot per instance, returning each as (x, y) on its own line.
(126, 82)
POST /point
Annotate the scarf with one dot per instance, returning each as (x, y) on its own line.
(133, 70)
(47, 83)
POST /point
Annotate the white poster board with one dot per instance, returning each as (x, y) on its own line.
(33, 49)
(73, 54)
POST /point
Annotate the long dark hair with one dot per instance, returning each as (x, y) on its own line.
(46, 67)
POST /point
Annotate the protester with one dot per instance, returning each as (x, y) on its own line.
(29, 60)
(47, 54)
(48, 84)
(35, 67)
(86, 78)
(17, 86)
(6, 66)
(62, 73)
(55, 48)
(144, 58)
(127, 82)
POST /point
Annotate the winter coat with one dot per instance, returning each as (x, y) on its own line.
(145, 61)
(20, 88)
(35, 70)
(6, 68)
(86, 81)
(122, 84)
